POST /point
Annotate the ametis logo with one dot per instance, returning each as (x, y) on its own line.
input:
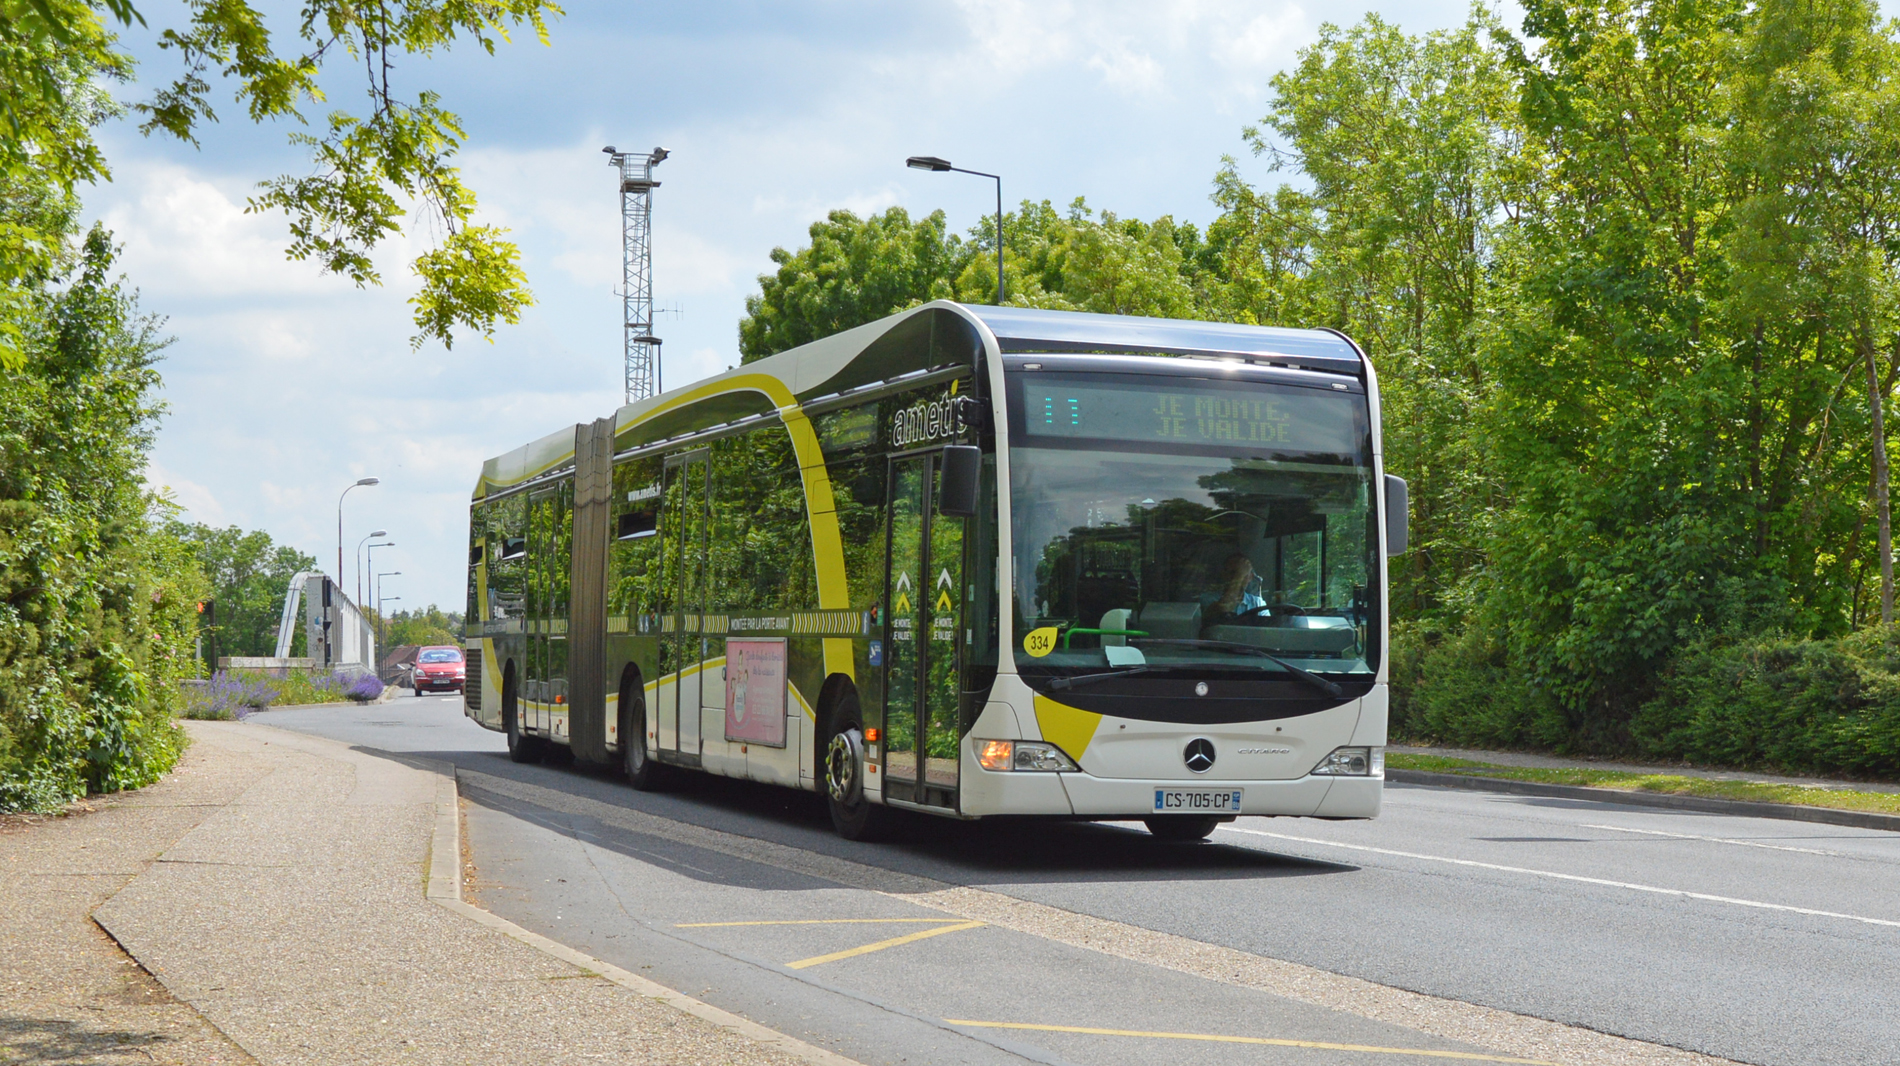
(925, 421)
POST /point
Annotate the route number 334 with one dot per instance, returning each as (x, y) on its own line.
(1040, 642)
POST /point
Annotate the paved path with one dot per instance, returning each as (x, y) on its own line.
(67, 992)
(276, 888)
(1743, 938)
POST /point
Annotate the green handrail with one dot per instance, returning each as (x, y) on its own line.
(1066, 634)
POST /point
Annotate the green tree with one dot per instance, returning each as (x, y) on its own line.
(1413, 153)
(1075, 261)
(423, 626)
(859, 270)
(1813, 149)
(369, 169)
(854, 271)
(249, 576)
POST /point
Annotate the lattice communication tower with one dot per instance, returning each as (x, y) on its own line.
(636, 233)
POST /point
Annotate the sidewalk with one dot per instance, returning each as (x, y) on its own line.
(275, 888)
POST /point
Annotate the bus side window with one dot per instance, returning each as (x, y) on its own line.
(634, 575)
(760, 543)
(504, 522)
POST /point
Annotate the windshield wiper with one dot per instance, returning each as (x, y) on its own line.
(1302, 673)
(1083, 679)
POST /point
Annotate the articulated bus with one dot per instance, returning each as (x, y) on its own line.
(968, 561)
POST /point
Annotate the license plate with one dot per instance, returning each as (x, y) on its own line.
(1197, 801)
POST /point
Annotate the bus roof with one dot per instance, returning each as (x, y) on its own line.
(1026, 329)
(937, 334)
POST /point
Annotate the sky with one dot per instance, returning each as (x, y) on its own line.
(284, 386)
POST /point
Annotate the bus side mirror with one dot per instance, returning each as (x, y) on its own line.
(1397, 515)
(956, 483)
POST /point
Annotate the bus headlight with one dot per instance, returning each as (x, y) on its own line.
(1028, 755)
(1353, 762)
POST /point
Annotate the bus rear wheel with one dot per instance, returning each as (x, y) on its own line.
(1182, 826)
(642, 772)
(853, 814)
(521, 747)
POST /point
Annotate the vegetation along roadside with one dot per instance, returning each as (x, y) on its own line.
(1672, 784)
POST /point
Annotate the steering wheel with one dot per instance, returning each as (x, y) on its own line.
(1289, 608)
(1261, 611)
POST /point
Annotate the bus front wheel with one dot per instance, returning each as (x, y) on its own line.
(1182, 826)
(852, 813)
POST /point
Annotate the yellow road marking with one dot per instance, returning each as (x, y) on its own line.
(881, 945)
(1320, 1045)
(814, 921)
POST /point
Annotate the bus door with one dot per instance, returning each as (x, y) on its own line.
(684, 527)
(923, 605)
(550, 545)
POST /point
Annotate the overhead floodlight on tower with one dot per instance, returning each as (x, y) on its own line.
(636, 228)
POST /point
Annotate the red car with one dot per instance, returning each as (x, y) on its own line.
(439, 669)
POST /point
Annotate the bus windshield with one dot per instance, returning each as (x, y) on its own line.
(1211, 525)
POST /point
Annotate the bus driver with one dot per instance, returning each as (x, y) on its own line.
(1240, 589)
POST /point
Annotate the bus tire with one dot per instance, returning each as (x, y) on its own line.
(642, 772)
(1182, 826)
(853, 814)
(521, 747)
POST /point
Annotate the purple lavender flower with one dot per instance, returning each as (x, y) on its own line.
(364, 688)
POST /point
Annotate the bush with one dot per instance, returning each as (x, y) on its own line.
(97, 603)
(1812, 706)
(364, 688)
(302, 688)
(234, 694)
(229, 696)
(1823, 706)
(1458, 688)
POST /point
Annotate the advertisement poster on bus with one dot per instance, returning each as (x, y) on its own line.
(755, 691)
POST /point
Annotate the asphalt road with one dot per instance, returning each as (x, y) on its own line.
(1755, 940)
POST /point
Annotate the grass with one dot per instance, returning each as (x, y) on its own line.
(1677, 784)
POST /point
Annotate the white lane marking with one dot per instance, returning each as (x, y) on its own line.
(1677, 892)
(1715, 840)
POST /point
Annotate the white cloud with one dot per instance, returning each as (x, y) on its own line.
(199, 503)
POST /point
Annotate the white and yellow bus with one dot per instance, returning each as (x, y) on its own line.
(969, 561)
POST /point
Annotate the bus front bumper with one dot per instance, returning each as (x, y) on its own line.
(1086, 796)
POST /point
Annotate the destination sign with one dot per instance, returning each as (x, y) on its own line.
(1241, 414)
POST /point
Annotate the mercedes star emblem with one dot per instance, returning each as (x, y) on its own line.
(1199, 755)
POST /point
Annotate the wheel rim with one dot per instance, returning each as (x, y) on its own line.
(841, 768)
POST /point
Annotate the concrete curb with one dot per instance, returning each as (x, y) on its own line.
(1703, 804)
(445, 889)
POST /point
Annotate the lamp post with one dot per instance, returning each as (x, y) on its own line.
(377, 592)
(932, 163)
(392, 599)
(370, 555)
(359, 563)
(339, 522)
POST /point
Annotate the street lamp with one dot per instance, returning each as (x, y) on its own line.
(370, 554)
(377, 592)
(935, 165)
(339, 522)
(359, 564)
